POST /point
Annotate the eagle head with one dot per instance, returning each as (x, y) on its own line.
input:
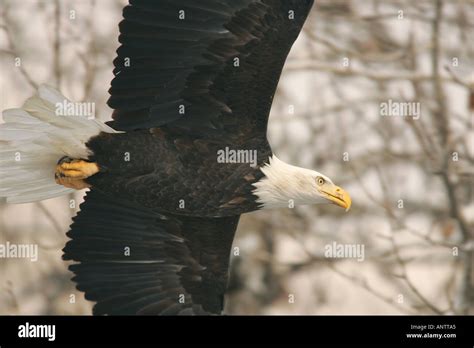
(285, 185)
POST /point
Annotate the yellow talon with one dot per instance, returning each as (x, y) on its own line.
(70, 173)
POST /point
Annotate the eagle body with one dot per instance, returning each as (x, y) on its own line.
(175, 174)
(192, 78)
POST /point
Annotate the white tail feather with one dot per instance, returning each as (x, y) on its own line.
(32, 140)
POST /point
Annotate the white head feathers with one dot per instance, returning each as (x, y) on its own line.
(285, 185)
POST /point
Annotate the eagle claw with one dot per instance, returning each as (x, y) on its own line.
(72, 172)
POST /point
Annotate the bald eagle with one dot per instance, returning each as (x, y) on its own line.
(170, 175)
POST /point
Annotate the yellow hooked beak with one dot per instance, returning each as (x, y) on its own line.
(338, 196)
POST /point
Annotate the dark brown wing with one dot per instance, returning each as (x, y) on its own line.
(134, 261)
(207, 67)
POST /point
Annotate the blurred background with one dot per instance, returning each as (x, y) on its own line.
(411, 179)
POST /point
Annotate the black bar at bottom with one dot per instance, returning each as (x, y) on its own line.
(413, 330)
